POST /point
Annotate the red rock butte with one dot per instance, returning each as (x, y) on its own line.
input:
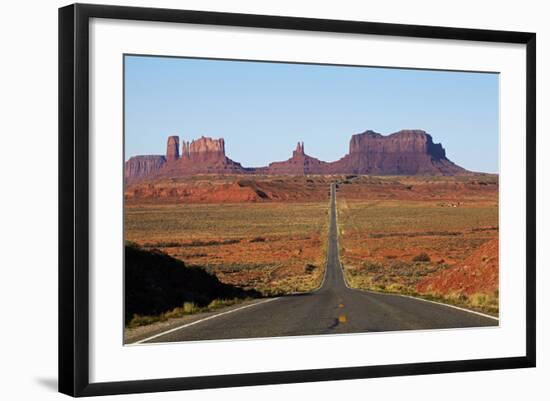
(406, 152)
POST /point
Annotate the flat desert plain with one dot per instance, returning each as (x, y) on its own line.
(267, 234)
(433, 237)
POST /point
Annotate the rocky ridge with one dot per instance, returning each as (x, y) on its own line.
(406, 152)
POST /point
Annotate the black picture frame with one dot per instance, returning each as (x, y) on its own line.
(74, 198)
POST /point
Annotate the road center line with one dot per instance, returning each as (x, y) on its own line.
(201, 320)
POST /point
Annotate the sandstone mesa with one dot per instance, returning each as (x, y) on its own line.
(406, 152)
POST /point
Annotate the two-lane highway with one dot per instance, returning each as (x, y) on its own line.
(333, 308)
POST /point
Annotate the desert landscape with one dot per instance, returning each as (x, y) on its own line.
(435, 237)
(274, 247)
(255, 233)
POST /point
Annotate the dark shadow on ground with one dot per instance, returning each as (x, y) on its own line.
(156, 283)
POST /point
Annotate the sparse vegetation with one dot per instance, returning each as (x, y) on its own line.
(260, 246)
(163, 244)
(188, 308)
(421, 257)
(158, 287)
(394, 275)
(401, 278)
(394, 233)
(401, 236)
(309, 268)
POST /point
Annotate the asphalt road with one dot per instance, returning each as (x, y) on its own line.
(333, 308)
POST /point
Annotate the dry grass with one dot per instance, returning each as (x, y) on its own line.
(401, 278)
(393, 276)
(188, 308)
(379, 230)
(392, 240)
(273, 247)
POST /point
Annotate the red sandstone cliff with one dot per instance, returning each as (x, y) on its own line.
(173, 148)
(298, 164)
(200, 156)
(139, 167)
(407, 152)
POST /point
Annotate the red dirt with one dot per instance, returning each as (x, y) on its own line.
(450, 191)
(477, 274)
(234, 189)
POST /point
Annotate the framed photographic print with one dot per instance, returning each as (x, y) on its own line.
(251, 199)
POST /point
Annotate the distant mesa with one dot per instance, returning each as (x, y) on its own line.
(406, 152)
(139, 167)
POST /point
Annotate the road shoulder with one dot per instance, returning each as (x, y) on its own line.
(133, 335)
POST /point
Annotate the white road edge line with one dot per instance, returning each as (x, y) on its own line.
(242, 307)
(201, 320)
(401, 295)
(450, 306)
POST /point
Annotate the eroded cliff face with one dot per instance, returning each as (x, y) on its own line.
(201, 156)
(406, 152)
(300, 163)
(402, 142)
(142, 166)
(173, 148)
(206, 149)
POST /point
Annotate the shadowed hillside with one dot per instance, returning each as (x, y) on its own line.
(156, 283)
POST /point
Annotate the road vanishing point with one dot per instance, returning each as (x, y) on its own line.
(334, 308)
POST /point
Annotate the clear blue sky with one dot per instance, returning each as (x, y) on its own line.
(263, 109)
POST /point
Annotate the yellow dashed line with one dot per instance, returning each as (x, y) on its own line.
(340, 305)
(342, 319)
